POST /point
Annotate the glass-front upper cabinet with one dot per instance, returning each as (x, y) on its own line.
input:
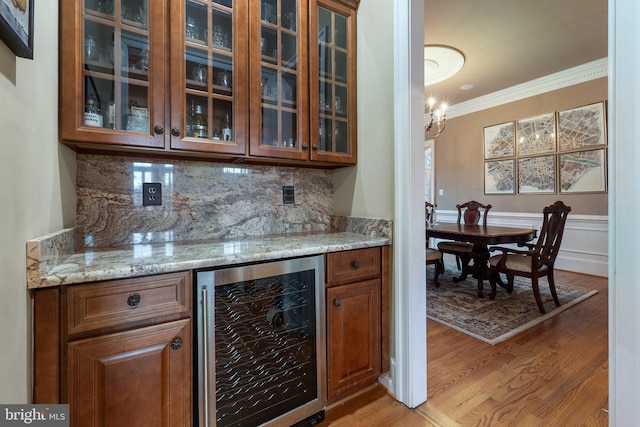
(333, 82)
(209, 75)
(113, 92)
(279, 79)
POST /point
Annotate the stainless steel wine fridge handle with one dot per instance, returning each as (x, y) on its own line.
(205, 354)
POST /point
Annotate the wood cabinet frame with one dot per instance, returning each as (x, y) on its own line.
(166, 74)
(350, 13)
(72, 98)
(115, 342)
(240, 84)
(357, 309)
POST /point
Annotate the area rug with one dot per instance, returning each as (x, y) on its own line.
(457, 305)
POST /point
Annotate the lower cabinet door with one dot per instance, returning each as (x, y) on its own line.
(353, 336)
(137, 378)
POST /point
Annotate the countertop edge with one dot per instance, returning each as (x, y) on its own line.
(144, 260)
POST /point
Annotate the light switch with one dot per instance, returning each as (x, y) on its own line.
(441, 192)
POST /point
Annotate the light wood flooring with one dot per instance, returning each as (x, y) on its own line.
(554, 374)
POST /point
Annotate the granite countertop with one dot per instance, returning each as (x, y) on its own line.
(51, 260)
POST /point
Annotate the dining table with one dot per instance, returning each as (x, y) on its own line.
(481, 237)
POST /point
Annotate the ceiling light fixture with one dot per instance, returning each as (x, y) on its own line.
(440, 63)
(434, 118)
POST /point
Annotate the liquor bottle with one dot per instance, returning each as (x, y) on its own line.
(92, 115)
(216, 135)
(226, 127)
(199, 124)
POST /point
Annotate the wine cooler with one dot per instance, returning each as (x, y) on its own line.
(261, 344)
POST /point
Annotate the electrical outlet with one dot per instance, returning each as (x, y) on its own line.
(151, 194)
(288, 196)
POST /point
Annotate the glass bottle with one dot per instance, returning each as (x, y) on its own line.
(92, 115)
(189, 119)
(216, 135)
(226, 127)
(110, 114)
(199, 124)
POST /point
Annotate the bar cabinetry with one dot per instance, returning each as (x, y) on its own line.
(218, 79)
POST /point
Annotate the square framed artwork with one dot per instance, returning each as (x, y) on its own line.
(536, 135)
(583, 171)
(500, 177)
(16, 26)
(499, 141)
(537, 174)
(583, 127)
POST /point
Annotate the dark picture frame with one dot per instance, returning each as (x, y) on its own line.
(16, 26)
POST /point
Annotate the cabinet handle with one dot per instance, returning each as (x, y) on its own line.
(175, 131)
(356, 265)
(315, 147)
(133, 300)
(305, 146)
(159, 130)
(337, 302)
(176, 344)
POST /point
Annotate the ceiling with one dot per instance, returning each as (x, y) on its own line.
(508, 42)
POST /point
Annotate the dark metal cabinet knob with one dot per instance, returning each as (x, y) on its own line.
(315, 147)
(356, 265)
(337, 302)
(159, 130)
(133, 300)
(305, 146)
(175, 131)
(176, 344)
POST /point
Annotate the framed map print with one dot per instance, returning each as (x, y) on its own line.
(583, 127)
(499, 176)
(499, 141)
(536, 135)
(583, 171)
(537, 174)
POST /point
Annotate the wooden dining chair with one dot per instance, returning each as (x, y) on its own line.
(432, 256)
(429, 212)
(470, 213)
(536, 262)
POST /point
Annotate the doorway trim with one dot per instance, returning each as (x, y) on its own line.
(409, 275)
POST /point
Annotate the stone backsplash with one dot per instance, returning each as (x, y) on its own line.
(200, 200)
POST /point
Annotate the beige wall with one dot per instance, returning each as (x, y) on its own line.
(366, 190)
(38, 191)
(459, 167)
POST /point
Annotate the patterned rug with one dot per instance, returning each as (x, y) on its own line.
(457, 305)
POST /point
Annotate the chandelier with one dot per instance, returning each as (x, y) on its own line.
(440, 63)
(435, 116)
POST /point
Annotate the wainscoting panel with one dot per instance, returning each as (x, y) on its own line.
(584, 245)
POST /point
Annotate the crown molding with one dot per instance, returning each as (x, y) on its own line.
(572, 76)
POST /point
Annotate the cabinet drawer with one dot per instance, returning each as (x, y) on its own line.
(121, 302)
(352, 266)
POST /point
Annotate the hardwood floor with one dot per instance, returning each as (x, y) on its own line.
(554, 374)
